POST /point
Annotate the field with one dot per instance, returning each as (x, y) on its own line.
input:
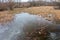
(5, 17)
(42, 10)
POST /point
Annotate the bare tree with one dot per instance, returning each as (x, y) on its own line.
(58, 3)
(10, 4)
(18, 3)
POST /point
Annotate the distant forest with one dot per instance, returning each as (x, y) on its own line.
(11, 4)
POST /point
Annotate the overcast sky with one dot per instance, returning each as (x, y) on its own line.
(21, 0)
(25, 0)
(28, 0)
(16, 0)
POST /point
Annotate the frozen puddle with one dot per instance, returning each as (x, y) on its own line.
(22, 20)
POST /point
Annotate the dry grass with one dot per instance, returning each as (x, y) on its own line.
(42, 10)
(5, 17)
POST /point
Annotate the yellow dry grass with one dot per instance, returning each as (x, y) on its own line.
(42, 10)
(5, 17)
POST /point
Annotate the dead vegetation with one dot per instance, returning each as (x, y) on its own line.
(5, 17)
(42, 10)
(37, 34)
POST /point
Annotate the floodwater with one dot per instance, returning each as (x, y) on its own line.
(24, 22)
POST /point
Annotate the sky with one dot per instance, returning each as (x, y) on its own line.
(16, 0)
(21, 0)
(26, 0)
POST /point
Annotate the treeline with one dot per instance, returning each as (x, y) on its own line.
(11, 5)
(44, 3)
(6, 6)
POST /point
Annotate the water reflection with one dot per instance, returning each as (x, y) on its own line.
(22, 22)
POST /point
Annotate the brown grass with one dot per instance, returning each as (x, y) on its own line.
(42, 10)
(5, 17)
